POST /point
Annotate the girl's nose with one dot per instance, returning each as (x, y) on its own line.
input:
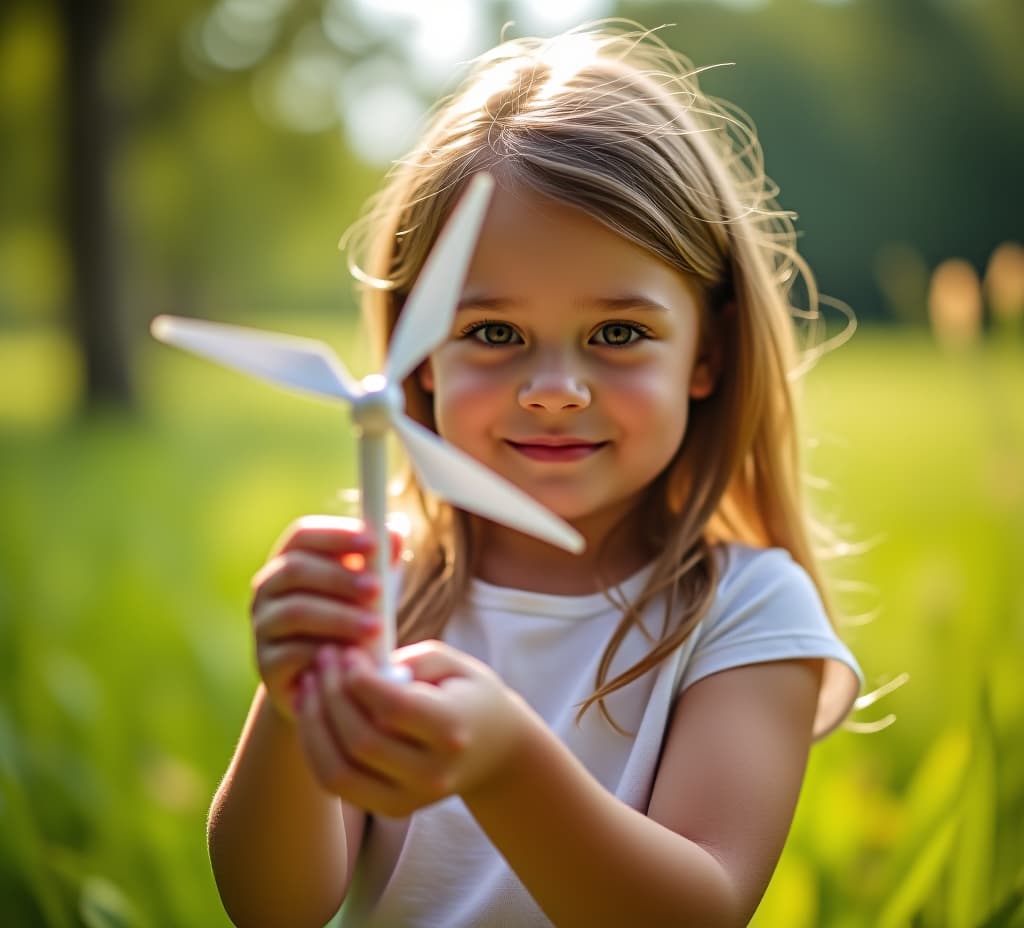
(554, 391)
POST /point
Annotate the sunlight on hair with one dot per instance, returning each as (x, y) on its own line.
(566, 58)
(869, 699)
(498, 78)
(870, 728)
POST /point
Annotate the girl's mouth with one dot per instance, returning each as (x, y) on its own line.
(557, 452)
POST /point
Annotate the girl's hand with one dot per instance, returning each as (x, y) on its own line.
(314, 589)
(393, 748)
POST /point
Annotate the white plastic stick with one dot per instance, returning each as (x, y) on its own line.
(373, 469)
(373, 475)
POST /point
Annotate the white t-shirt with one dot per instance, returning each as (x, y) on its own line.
(437, 869)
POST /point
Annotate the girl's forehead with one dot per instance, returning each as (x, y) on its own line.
(522, 220)
(528, 239)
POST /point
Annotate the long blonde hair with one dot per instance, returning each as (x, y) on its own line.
(613, 122)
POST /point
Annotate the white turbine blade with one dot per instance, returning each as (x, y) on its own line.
(426, 318)
(300, 363)
(465, 482)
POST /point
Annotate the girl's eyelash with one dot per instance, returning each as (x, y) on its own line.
(641, 330)
(474, 327)
(480, 324)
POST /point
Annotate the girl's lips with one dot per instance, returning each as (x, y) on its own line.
(569, 451)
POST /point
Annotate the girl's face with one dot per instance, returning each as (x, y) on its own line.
(571, 360)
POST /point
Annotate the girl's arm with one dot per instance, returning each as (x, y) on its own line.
(282, 848)
(722, 803)
(721, 808)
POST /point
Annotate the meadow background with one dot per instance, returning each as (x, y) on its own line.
(240, 139)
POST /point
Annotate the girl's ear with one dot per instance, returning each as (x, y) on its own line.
(707, 365)
(425, 376)
(702, 380)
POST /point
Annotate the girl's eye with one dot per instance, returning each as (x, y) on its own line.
(493, 333)
(620, 333)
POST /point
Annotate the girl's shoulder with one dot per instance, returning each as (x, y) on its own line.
(745, 569)
(764, 588)
(736, 555)
(766, 607)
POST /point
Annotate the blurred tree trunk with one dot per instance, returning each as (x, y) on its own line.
(97, 314)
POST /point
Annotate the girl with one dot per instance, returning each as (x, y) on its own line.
(612, 739)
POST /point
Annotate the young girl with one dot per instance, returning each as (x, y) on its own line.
(617, 738)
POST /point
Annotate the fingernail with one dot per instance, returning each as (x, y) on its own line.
(327, 659)
(369, 622)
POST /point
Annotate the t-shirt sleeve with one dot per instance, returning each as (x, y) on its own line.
(768, 609)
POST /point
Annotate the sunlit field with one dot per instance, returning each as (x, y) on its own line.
(127, 545)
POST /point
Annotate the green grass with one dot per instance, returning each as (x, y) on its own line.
(126, 548)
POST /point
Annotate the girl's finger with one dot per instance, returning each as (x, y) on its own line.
(282, 661)
(335, 773)
(434, 661)
(316, 740)
(298, 615)
(282, 664)
(333, 536)
(418, 711)
(302, 571)
(390, 754)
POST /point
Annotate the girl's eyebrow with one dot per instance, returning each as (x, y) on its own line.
(481, 302)
(628, 301)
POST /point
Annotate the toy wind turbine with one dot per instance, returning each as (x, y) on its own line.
(377, 401)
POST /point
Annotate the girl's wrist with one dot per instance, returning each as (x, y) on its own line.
(280, 716)
(527, 732)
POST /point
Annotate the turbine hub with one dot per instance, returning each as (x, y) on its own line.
(373, 411)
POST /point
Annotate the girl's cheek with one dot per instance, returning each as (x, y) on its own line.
(643, 387)
(467, 387)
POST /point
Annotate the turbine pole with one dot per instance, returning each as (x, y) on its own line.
(373, 413)
(373, 475)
